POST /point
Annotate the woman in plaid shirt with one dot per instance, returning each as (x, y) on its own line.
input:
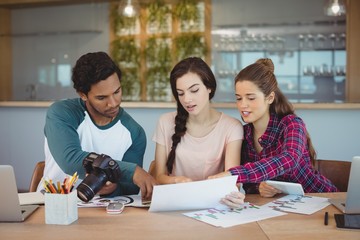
(276, 143)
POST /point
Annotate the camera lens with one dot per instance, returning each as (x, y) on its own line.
(90, 186)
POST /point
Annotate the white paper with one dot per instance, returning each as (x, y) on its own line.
(127, 200)
(191, 195)
(29, 198)
(299, 204)
(231, 217)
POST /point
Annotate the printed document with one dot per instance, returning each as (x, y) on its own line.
(299, 204)
(191, 195)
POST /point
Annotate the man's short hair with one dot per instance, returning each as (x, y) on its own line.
(92, 68)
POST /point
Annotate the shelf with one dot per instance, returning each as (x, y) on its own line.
(172, 105)
(54, 33)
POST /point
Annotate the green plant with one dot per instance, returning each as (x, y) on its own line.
(158, 49)
(125, 49)
(130, 84)
(126, 53)
(187, 12)
(121, 23)
(190, 44)
(158, 15)
(158, 61)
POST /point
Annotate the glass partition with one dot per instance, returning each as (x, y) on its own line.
(306, 46)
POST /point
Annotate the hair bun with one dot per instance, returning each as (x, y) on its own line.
(267, 62)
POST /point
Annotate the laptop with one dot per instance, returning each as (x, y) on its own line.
(351, 204)
(10, 208)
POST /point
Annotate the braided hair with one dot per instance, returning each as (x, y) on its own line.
(199, 67)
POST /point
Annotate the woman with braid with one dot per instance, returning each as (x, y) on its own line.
(276, 145)
(196, 141)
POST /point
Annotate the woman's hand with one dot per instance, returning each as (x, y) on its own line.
(182, 179)
(219, 175)
(266, 190)
(233, 200)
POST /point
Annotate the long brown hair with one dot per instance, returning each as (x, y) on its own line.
(261, 73)
(199, 67)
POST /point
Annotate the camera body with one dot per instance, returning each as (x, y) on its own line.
(96, 164)
(100, 168)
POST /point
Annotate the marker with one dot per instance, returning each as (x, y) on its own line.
(326, 218)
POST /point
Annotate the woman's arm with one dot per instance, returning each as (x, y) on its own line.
(232, 154)
(162, 176)
(269, 167)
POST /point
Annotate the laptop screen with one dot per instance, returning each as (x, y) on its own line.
(10, 209)
(352, 204)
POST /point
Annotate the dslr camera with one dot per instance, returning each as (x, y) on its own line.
(100, 169)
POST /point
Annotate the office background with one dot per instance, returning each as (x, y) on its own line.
(335, 132)
(47, 41)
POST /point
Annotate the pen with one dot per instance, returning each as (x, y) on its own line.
(326, 218)
(58, 187)
(72, 179)
(64, 188)
(50, 187)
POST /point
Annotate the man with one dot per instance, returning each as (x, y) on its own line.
(95, 122)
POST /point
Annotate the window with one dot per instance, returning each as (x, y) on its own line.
(298, 39)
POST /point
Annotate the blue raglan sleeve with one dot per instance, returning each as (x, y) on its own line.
(62, 120)
(133, 157)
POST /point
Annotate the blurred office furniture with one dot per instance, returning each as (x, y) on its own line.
(37, 175)
(336, 171)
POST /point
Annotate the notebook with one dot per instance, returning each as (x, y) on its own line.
(31, 198)
(10, 208)
(352, 202)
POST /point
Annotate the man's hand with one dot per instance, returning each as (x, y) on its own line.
(144, 181)
(108, 188)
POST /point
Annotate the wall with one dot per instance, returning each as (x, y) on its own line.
(246, 12)
(335, 134)
(45, 40)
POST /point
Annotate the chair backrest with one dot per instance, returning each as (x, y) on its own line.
(336, 171)
(152, 168)
(37, 175)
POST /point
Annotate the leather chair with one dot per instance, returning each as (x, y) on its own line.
(37, 175)
(336, 171)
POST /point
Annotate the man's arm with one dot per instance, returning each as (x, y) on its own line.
(62, 120)
(132, 158)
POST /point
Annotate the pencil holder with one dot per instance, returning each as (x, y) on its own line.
(61, 208)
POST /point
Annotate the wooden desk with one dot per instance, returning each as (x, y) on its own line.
(138, 223)
(298, 226)
(133, 223)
